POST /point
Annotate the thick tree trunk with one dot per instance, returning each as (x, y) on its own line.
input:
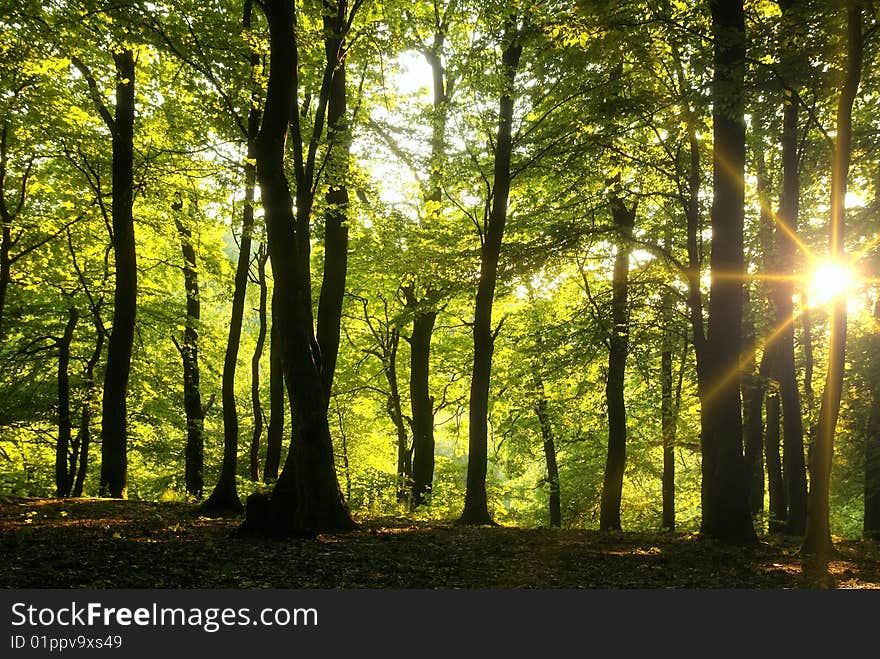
(306, 496)
(256, 405)
(726, 514)
(194, 451)
(476, 510)
(817, 541)
(275, 431)
(114, 416)
(615, 463)
(65, 464)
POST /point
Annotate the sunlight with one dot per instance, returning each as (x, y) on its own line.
(831, 279)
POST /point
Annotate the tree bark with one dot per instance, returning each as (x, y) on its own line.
(726, 514)
(615, 463)
(306, 497)
(554, 501)
(476, 510)
(224, 499)
(65, 463)
(194, 451)
(114, 415)
(817, 541)
(871, 521)
(421, 401)
(84, 434)
(256, 405)
(753, 389)
(275, 431)
(794, 465)
(336, 216)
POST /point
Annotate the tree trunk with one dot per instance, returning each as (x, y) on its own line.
(421, 401)
(775, 481)
(817, 541)
(262, 256)
(224, 499)
(871, 522)
(5, 264)
(615, 463)
(64, 470)
(554, 502)
(194, 452)
(753, 420)
(114, 416)
(670, 404)
(306, 497)
(395, 411)
(336, 216)
(275, 431)
(726, 514)
(476, 510)
(794, 465)
(84, 435)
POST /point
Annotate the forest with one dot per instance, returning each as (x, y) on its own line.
(299, 267)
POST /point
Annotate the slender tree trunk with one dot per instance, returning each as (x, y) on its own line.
(224, 499)
(726, 514)
(84, 436)
(336, 216)
(476, 510)
(775, 480)
(63, 473)
(615, 463)
(786, 373)
(667, 431)
(871, 522)
(194, 452)
(554, 502)
(395, 411)
(114, 416)
(262, 256)
(424, 315)
(817, 541)
(421, 401)
(753, 421)
(5, 264)
(275, 431)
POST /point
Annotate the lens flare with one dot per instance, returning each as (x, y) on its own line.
(831, 280)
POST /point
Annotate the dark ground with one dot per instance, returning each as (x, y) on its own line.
(91, 543)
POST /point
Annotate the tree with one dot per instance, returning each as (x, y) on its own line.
(817, 541)
(306, 495)
(114, 439)
(189, 353)
(618, 347)
(726, 514)
(476, 509)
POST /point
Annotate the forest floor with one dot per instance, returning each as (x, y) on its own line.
(91, 543)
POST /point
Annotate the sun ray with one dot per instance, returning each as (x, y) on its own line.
(725, 379)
